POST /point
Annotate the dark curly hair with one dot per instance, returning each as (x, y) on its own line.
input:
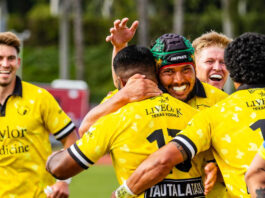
(245, 58)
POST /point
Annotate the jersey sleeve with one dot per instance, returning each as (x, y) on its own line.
(196, 137)
(55, 119)
(95, 142)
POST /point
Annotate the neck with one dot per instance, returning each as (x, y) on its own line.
(236, 84)
(5, 91)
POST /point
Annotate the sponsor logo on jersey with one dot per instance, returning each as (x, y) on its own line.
(257, 104)
(15, 147)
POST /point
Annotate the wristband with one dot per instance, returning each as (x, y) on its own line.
(68, 181)
(124, 191)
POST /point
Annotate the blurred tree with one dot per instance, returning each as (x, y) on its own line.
(227, 21)
(64, 39)
(178, 17)
(143, 36)
(78, 39)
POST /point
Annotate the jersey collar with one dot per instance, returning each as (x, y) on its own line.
(246, 86)
(18, 87)
(17, 92)
(198, 90)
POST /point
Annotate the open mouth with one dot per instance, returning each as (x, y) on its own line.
(4, 72)
(179, 88)
(216, 77)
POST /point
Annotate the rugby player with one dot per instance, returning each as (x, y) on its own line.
(28, 114)
(176, 73)
(234, 127)
(209, 58)
(134, 132)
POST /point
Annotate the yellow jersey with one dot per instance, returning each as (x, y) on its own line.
(203, 96)
(262, 150)
(27, 117)
(135, 131)
(234, 128)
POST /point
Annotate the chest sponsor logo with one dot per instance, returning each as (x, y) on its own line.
(257, 104)
(169, 188)
(163, 110)
(15, 148)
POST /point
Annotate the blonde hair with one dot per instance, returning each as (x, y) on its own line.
(209, 39)
(10, 39)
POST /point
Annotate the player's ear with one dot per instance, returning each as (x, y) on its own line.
(121, 83)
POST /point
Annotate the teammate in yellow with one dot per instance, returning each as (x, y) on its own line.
(255, 176)
(182, 85)
(177, 77)
(234, 127)
(209, 57)
(28, 114)
(134, 132)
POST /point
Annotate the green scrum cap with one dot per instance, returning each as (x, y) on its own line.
(172, 49)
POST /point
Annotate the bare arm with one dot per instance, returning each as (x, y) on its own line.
(61, 188)
(70, 139)
(156, 167)
(137, 88)
(255, 177)
(119, 37)
(62, 166)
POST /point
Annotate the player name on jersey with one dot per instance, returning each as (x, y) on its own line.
(181, 188)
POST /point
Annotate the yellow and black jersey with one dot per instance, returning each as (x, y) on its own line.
(202, 97)
(205, 96)
(27, 118)
(262, 150)
(135, 131)
(234, 127)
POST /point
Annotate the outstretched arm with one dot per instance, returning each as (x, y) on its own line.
(119, 37)
(255, 177)
(137, 88)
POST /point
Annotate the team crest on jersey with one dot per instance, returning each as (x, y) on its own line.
(23, 110)
(262, 94)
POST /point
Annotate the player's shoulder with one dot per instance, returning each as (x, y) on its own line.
(213, 92)
(32, 90)
(109, 95)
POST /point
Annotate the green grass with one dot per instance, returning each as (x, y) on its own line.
(99, 181)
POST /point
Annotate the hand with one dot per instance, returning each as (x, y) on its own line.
(210, 171)
(120, 34)
(113, 195)
(139, 88)
(59, 190)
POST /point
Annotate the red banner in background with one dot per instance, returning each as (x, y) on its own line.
(73, 99)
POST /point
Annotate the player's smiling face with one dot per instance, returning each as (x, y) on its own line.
(210, 67)
(178, 80)
(9, 63)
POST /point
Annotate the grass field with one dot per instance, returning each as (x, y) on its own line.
(99, 181)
